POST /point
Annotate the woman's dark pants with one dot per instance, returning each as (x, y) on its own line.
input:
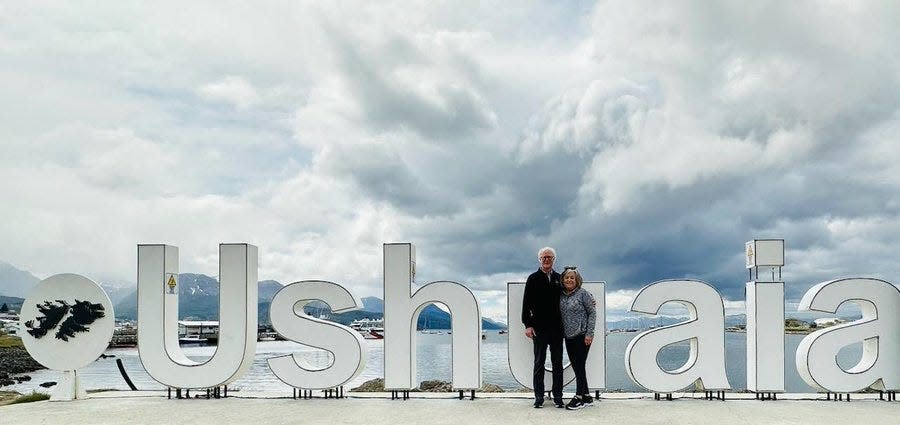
(578, 353)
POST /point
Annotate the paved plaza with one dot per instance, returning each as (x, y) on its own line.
(372, 409)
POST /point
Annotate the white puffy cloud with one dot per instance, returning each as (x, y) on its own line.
(231, 89)
(644, 141)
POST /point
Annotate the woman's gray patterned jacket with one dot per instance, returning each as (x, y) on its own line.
(578, 312)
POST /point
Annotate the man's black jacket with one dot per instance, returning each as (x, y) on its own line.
(540, 306)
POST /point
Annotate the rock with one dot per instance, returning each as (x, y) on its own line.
(377, 385)
(490, 388)
(444, 386)
(4, 382)
(435, 386)
(371, 386)
(15, 360)
(48, 384)
(21, 379)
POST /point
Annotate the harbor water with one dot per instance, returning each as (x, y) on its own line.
(434, 359)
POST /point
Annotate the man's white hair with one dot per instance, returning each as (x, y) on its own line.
(545, 249)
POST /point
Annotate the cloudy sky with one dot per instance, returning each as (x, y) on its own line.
(643, 141)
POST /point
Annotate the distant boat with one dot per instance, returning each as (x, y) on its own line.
(369, 328)
(192, 339)
(198, 331)
(502, 331)
(267, 336)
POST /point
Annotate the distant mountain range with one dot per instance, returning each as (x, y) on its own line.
(658, 321)
(198, 299)
(117, 290)
(15, 282)
(14, 303)
(373, 304)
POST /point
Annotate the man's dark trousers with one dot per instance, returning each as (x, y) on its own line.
(543, 339)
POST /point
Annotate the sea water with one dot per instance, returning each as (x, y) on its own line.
(434, 362)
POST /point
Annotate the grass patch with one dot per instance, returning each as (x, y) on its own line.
(8, 341)
(28, 398)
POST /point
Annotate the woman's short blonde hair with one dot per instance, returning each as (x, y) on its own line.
(578, 279)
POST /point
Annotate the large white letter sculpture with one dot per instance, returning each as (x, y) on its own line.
(521, 349)
(345, 344)
(878, 329)
(402, 308)
(705, 330)
(158, 347)
(765, 317)
(67, 322)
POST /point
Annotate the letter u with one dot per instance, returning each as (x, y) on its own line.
(158, 347)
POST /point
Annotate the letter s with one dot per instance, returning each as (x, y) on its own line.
(289, 320)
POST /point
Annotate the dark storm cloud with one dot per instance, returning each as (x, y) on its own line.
(643, 140)
(401, 87)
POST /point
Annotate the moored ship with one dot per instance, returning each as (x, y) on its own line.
(369, 328)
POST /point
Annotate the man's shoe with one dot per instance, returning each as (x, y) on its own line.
(559, 404)
(538, 404)
(575, 404)
(587, 399)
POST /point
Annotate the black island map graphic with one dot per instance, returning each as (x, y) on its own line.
(83, 313)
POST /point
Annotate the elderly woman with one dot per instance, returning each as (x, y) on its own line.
(576, 306)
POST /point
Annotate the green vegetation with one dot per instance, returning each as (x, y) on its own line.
(28, 398)
(7, 341)
(796, 326)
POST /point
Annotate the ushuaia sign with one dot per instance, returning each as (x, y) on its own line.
(70, 322)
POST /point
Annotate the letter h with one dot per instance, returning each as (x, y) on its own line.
(401, 311)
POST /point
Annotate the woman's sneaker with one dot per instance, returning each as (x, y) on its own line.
(575, 404)
(587, 399)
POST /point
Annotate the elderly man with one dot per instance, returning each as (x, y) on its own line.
(543, 324)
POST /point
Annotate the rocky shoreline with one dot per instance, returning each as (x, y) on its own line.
(377, 385)
(15, 360)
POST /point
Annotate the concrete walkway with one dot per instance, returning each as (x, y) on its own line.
(155, 408)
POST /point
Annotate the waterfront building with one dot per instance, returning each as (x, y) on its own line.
(198, 330)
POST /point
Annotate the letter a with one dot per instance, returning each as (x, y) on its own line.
(705, 330)
(878, 329)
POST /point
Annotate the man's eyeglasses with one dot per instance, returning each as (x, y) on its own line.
(547, 257)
